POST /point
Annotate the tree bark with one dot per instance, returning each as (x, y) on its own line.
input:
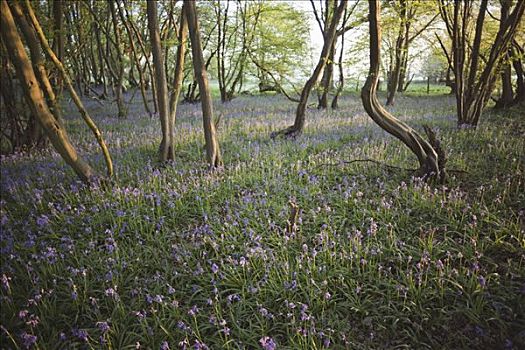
(520, 74)
(37, 60)
(119, 83)
(35, 98)
(179, 67)
(166, 149)
(58, 37)
(136, 61)
(69, 85)
(213, 153)
(425, 152)
(395, 74)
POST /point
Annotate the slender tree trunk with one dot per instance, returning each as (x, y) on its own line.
(145, 54)
(35, 98)
(58, 37)
(166, 148)
(507, 96)
(297, 128)
(395, 75)
(520, 74)
(429, 163)
(136, 61)
(212, 144)
(326, 80)
(179, 67)
(119, 83)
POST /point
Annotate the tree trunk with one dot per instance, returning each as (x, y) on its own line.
(429, 163)
(179, 67)
(520, 74)
(119, 83)
(395, 75)
(58, 37)
(35, 98)
(297, 128)
(166, 149)
(69, 85)
(473, 92)
(37, 60)
(326, 80)
(341, 72)
(507, 97)
(212, 144)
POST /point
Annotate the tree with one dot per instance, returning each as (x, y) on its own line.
(35, 97)
(297, 128)
(118, 58)
(406, 12)
(212, 144)
(235, 35)
(323, 17)
(430, 156)
(167, 145)
(279, 47)
(473, 89)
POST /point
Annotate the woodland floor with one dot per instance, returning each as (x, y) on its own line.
(177, 256)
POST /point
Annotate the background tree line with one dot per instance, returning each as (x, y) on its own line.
(167, 51)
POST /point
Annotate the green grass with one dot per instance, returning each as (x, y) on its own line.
(178, 254)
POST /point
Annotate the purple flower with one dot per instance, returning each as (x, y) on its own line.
(214, 268)
(193, 311)
(103, 326)
(268, 343)
(482, 281)
(80, 334)
(5, 281)
(111, 245)
(112, 293)
(226, 331)
(171, 290)
(28, 340)
(233, 298)
(42, 221)
(165, 345)
(200, 345)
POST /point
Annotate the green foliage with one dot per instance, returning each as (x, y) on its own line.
(281, 42)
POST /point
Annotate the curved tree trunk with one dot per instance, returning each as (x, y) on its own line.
(213, 152)
(35, 98)
(427, 156)
(297, 128)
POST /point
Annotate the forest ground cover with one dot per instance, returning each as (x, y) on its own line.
(177, 256)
